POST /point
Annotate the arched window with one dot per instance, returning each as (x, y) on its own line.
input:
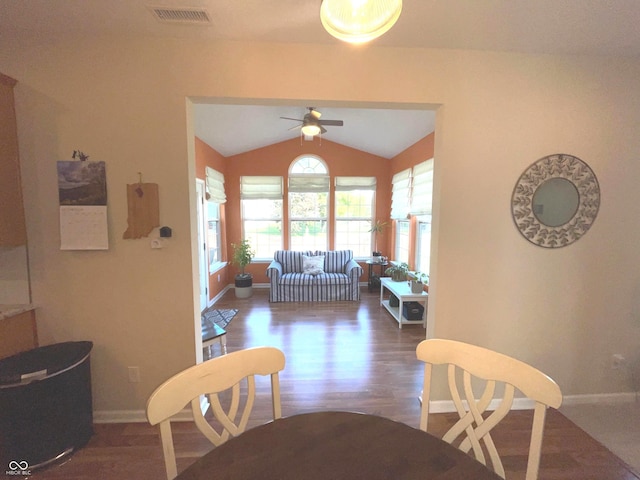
(308, 165)
(308, 203)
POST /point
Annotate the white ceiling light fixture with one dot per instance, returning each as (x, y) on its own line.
(359, 21)
(310, 129)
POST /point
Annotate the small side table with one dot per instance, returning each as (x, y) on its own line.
(374, 280)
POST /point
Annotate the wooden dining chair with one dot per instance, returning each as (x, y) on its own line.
(221, 374)
(470, 365)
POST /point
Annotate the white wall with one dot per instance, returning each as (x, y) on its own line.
(565, 311)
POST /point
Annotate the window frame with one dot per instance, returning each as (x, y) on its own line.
(213, 264)
(400, 235)
(262, 188)
(347, 185)
(422, 220)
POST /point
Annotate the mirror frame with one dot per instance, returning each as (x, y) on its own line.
(563, 166)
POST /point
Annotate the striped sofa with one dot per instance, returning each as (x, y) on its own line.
(338, 280)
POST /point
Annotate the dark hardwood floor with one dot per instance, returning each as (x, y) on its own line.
(340, 356)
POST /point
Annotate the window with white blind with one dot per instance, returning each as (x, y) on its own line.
(261, 202)
(308, 203)
(215, 195)
(421, 200)
(354, 197)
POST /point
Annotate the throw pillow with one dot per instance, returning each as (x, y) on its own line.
(313, 265)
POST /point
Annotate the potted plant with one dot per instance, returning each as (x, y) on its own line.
(377, 228)
(398, 271)
(418, 281)
(242, 256)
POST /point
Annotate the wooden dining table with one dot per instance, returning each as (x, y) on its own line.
(336, 446)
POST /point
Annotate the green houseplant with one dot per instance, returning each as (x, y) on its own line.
(377, 228)
(398, 271)
(242, 256)
(418, 281)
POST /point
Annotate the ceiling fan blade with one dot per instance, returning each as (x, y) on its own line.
(322, 129)
(331, 123)
(294, 119)
(294, 127)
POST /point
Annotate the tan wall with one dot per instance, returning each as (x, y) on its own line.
(565, 311)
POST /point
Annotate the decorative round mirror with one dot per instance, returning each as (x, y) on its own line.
(555, 201)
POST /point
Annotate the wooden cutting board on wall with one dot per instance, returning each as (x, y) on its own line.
(143, 209)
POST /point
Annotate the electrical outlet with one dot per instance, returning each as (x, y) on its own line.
(617, 361)
(134, 374)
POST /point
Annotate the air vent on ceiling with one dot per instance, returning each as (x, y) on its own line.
(189, 15)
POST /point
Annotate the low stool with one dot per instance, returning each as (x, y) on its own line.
(212, 333)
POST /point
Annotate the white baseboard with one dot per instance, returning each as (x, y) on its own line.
(599, 398)
(219, 295)
(447, 406)
(437, 406)
(134, 416)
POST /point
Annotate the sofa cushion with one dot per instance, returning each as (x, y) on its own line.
(290, 260)
(332, 279)
(297, 279)
(336, 260)
(312, 265)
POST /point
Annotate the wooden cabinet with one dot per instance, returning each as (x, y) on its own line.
(18, 333)
(12, 224)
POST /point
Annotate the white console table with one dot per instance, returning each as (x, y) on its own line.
(402, 290)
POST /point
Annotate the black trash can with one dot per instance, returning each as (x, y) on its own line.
(46, 410)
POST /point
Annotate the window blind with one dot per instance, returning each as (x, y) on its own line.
(215, 186)
(316, 183)
(344, 184)
(261, 187)
(422, 188)
(400, 184)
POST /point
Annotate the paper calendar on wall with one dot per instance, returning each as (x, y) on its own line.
(82, 191)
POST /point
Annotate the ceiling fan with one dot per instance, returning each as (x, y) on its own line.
(311, 124)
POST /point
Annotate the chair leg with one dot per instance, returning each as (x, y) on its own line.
(223, 344)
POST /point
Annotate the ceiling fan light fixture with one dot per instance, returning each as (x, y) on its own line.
(359, 21)
(310, 129)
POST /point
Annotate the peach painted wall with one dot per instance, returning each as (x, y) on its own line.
(209, 157)
(275, 160)
(418, 152)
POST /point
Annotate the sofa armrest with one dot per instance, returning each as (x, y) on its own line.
(274, 270)
(353, 269)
